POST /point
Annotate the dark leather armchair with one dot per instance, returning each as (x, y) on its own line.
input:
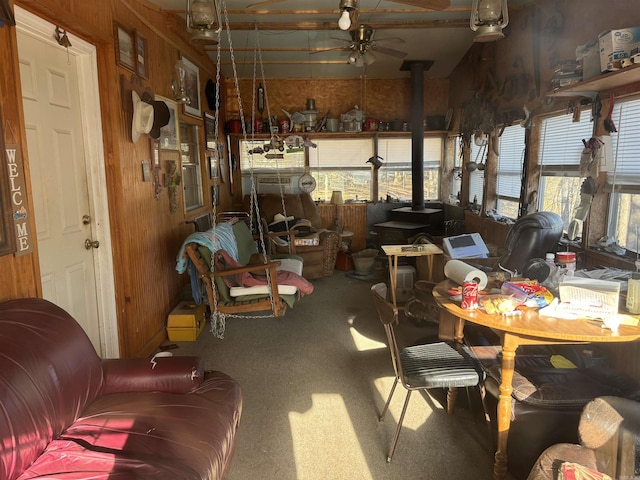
(530, 237)
(319, 260)
(609, 433)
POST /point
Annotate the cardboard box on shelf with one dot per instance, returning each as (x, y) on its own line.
(616, 45)
(185, 322)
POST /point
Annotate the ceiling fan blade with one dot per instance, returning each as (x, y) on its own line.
(263, 3)
(430, 4)
(330, 50)
(389, 51)
(390, 40)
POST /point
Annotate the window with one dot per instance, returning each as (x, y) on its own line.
(510, 164)
(269, 161)
(476, 178)
(191, 170)
(395, 177)
(623, 177)
(560, 150)
(341, 164)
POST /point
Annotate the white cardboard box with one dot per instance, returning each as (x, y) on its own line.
(616, 45)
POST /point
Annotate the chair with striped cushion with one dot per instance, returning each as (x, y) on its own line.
(421, 367)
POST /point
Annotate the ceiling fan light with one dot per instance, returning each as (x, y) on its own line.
(368, 58)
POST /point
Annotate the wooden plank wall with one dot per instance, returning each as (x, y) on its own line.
(351, 216)
(145, 235)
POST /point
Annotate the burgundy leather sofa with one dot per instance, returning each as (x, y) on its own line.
(67, 414)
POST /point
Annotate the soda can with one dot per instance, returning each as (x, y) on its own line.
(469, 295)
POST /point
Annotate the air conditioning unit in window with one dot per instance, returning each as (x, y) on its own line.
(272, 184)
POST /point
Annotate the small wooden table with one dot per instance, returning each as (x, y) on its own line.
(394, 252)
(527, 329)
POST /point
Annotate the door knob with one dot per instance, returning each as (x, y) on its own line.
(88, 244)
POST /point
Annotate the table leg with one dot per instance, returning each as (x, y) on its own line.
(393, 276)
(430, 266)
(509, 346)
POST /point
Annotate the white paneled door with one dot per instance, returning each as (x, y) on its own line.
(68, 236)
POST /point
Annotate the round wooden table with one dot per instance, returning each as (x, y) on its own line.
(527, 329)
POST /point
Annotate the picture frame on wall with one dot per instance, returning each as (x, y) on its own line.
(211, 139)
(125, 48)
(212, 159)
(169, 134)
(141, 55)
(192, 87)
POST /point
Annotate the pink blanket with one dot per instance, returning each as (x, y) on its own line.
(223, 261)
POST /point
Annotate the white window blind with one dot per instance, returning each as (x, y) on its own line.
(626, 147)
(510, 163)
(343, 153)
(561, 143)
(476, 178)
(291, 161)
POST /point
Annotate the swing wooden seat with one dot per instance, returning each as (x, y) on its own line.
(224, 298)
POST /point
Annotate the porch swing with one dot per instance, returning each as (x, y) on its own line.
(229, 274)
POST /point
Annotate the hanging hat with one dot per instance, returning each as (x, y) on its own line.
(161, 114)
(210, 92)
(142, 117)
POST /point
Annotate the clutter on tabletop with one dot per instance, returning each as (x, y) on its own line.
(499, 304)
(529, 292)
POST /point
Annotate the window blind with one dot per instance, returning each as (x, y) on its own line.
(342, 153)
(260, 161)
(397, 152)
(561, 144)
(510, 162)
(625, 174)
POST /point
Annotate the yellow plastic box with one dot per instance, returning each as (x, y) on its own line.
(185, 322)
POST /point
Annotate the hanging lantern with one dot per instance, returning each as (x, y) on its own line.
(488, 18)
(203, 20)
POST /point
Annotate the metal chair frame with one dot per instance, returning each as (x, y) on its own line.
(422, 367)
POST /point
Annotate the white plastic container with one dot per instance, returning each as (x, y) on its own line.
(633, 293)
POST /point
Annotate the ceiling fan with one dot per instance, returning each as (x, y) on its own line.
(362, 45)
(429, 4)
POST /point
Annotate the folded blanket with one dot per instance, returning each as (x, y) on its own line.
(219, 237)
(223, 261)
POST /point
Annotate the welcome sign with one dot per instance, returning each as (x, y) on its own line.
(18, 195)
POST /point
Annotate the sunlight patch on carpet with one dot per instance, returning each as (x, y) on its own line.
(316, 438)
(419, 409)
(363, 343)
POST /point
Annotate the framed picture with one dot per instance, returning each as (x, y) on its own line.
(192, 86)
(210, 131)
(141, 55)
(125, 55)
(212, 159)
(169, 133)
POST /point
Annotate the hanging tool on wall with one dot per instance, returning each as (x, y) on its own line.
(609, 126)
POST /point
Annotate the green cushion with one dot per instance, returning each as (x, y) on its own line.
(245, 242)
(288, 299)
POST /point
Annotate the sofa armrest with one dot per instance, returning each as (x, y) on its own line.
(604, 418)
(165, 374)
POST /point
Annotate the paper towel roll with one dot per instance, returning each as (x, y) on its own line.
(460, 272)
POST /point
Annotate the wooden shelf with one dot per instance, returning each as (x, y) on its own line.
(602, 83)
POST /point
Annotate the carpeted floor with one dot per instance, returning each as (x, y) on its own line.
(314, 382)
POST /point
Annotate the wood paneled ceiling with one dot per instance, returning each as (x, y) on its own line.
(301, 38)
